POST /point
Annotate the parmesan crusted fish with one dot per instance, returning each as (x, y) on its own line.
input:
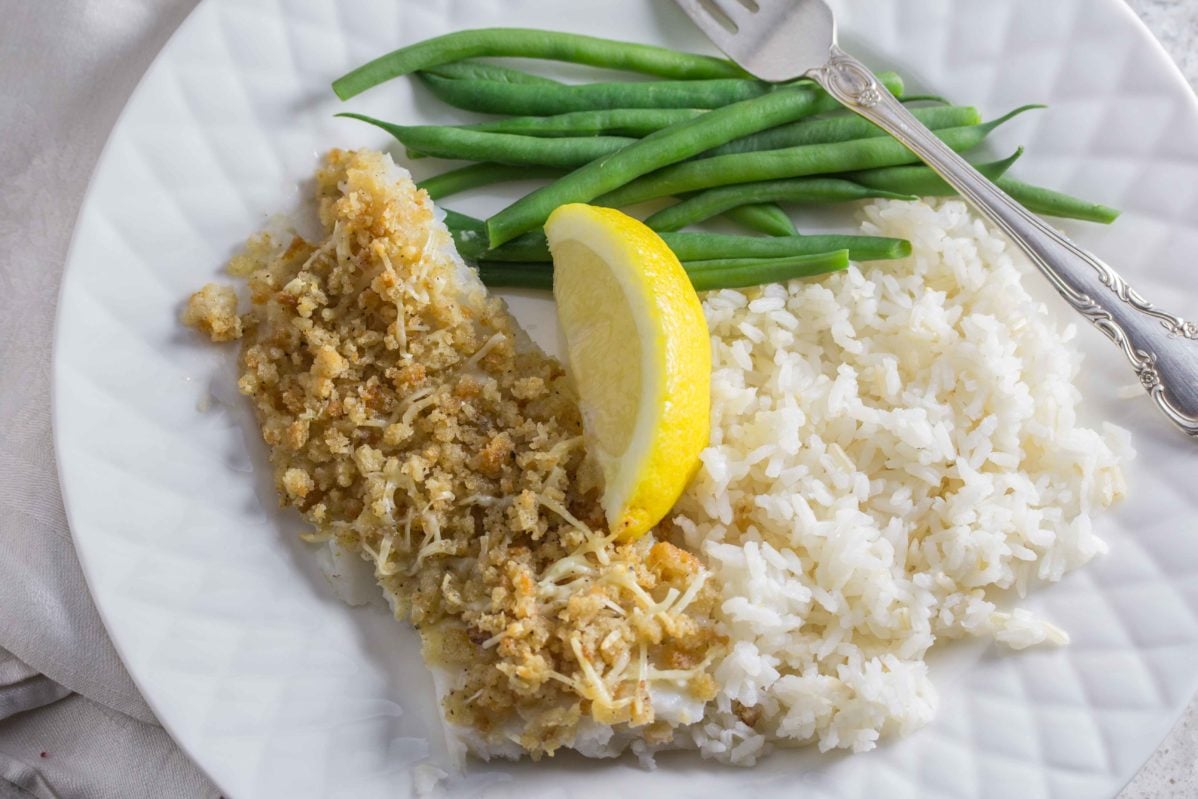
(417, 427)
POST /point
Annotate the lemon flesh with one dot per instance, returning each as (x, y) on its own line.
(640, 355)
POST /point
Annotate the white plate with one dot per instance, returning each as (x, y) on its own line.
(278, 690)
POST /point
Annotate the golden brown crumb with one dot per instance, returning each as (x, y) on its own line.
(406, 422)
(749, 715)
(297, 483)
(213, 310)
(670, 561)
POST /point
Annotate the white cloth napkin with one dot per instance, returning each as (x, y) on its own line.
(66, 70)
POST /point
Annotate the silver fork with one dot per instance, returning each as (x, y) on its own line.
(779, 40)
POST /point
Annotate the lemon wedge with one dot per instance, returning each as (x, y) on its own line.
(640, 355)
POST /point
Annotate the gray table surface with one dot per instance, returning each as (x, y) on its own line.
(1172, 772)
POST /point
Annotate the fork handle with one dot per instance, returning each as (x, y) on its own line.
(1162, 348)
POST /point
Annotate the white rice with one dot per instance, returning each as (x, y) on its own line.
(888, 443)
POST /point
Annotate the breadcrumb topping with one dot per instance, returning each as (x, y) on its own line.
(213, 310)
(410, 419)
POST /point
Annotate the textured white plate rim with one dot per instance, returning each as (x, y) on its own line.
(56, 401)
(78, 526)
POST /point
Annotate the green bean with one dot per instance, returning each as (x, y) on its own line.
(741, 272)
(690, 246)
(635, 122)
(446, 141)
(1054, 203)
(707, 204)
(842, 128)
(454, 219)
(921, 180)
(475, 175)
(525, 43)
(469, 234)
(924, 98)
(810, 159)
(531, 247)
(696, 246)
(666, 146)
(470, 244)
(516, 275)
(473, 70)
(704, 275)
(639, 122)
(725, 264)
(765, 218)
(493, 97)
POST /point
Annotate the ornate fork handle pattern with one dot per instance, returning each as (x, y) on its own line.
(1161, 347)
